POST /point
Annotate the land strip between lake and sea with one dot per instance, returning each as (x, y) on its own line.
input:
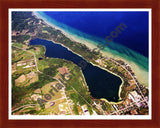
(54, 40)
(90, 46)
(141, 74)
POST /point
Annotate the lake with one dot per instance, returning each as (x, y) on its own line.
(101, 83)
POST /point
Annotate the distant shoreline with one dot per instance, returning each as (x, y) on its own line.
(137, 70)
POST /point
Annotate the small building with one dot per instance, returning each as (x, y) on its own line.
(85, 110)
(64, 108)
(134, 96)
(127, 102)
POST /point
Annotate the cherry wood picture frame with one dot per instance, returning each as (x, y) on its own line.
(5, 5)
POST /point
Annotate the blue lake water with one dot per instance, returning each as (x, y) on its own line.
(132, 44)
(102, 84)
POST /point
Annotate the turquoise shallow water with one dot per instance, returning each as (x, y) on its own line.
(104, 23)
(115, 49)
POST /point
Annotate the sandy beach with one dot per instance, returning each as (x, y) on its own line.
(119, 92)
(88, 43)
(141, 74)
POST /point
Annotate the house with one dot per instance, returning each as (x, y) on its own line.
(85, 110)
(135, 97)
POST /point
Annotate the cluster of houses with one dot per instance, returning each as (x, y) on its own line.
(131, 105)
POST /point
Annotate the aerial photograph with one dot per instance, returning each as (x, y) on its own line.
(82, 63)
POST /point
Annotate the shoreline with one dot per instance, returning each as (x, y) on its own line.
(119, 91)
(141, 74)
(90, 46)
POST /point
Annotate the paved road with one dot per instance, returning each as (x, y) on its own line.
(131, 76)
